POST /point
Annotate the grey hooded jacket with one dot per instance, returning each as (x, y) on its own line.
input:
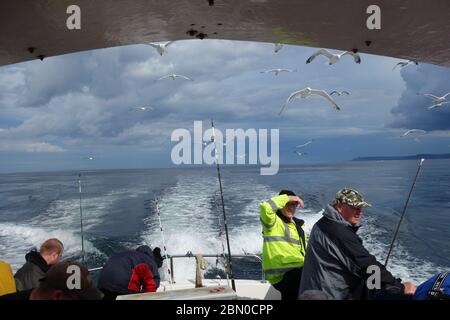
(336, 261)
(28, 276)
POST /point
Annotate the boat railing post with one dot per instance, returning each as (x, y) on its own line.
(172, 274)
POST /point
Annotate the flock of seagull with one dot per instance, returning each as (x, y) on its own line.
(332, 58)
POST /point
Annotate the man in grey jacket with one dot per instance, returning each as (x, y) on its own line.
(38, 263)
(336, 261)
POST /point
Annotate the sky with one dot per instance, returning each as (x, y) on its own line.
(56, 113)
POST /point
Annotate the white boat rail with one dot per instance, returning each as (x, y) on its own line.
(189, 254)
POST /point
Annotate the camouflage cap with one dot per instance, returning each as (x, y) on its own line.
(351, 197)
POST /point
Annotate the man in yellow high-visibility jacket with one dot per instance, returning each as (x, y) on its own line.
(284, 243)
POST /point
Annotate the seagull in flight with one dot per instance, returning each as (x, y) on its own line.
(160, 47)
(438, 104)
(89, 158)
(435, 98)
(305, 144)
(306, 92)
(403, 64)
(278, 47)
(339, 93)
(300, 153)
(277, 71)
(173, 76)
(333, 58)
(413, 131)
(148, 108)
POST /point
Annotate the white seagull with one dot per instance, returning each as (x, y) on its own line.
(300, 153)
(89, 158)
(438, 104)
(148, 108)
(333, 58)
(306, 92)
(278, 47)
(413, 131)
(173, 76)
(403, 64)
(339, 93)
(160, 47)
(277, 71)
(305, 144)
(435, 98)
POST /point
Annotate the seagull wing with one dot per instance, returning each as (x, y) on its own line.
(164, 77)
(168, 43)
(278, 47)
(346, 92)
(333, 92)
(184, 77)
(413, 130)
(406, 133)
(304, 145)
(154, 45)
(435, 106)
(445, 95)
(355, 56)
(326, 96)
(429, 95)
(291, 96)
(323, 52)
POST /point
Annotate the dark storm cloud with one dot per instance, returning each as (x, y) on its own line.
(412, 109)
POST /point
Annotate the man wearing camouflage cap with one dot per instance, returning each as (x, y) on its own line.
(336, 261)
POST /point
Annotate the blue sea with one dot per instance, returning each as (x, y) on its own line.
(116, 216)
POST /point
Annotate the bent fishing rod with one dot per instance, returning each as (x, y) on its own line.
(403, 213)
(81, 220)
(163, 239)
(216, 156)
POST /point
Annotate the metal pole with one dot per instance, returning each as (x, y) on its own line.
(403, 213)
(81, 220)
(233, 285)
(163, 240)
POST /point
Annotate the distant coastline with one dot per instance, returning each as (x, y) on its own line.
(413, 157)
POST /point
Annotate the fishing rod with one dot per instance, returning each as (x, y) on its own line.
(163, 240)
(403, 213)
(81, 220)
(216, 156)
(221, 232)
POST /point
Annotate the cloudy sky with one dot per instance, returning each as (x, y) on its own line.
(57, 112)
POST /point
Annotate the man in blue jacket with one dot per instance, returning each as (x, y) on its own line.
(128, 272)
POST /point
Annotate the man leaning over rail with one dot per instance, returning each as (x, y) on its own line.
(284, 243)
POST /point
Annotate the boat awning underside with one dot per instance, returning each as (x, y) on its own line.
(413, 29)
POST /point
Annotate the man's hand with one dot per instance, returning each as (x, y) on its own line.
(410, 288)
(297, 200)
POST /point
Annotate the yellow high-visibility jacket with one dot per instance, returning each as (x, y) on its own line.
(7, 283)
(283, 247)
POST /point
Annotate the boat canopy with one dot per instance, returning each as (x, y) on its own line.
(413, 29)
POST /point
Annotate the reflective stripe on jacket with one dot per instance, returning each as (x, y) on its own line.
(283, 247)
